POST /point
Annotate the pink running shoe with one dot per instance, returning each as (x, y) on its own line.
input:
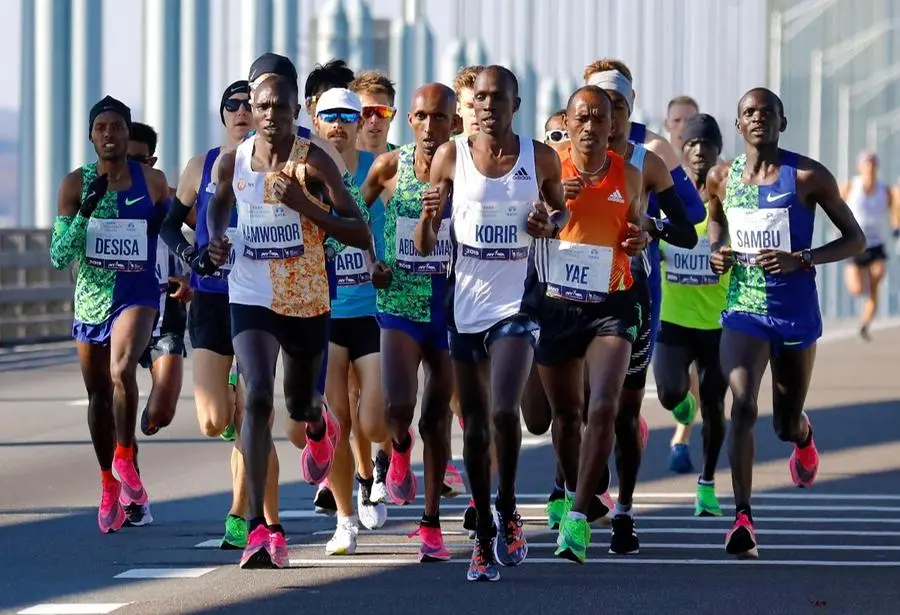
(402, 483)
(432, 548)
(256, 553)
(645, 433)
(453, 482)
(133, 491)
(317, 457)
(111, 516)
(278, 551)
(741, 540)
(804, 462)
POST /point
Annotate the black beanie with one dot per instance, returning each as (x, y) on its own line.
(109, 104)
(242, 86)
(702, 126)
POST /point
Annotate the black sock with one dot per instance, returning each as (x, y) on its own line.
(277, 527)
(806, 441)
(230, 516)
(431, 521)
(402, 447)
(485, 530)
(744, 508)
(317, 434)
(505, 504)
(368, 482)
(254, 523)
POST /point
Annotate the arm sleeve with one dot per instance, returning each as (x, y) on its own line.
(171, 231)
(693, 203)
(677, 229)
(67, 241)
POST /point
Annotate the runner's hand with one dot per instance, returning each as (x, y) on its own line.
(431, 203)
(182, 290)
(95, 192)
(572, 187)
(778, 261)
(721, 260)
(636, 240)
(287, 190)
(381, 275)
(539, 224)
(217, 253)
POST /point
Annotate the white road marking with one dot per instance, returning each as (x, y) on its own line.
(164, 573)
(811, 497)
(300, 514)
(644, 545)
(659, 530)
(212, 543)
(385, 562)
(73, 609)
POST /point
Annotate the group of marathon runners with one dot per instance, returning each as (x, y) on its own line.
(528, 278)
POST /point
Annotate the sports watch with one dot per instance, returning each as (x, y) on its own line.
(806, 258)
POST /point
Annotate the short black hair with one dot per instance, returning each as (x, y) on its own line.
(280, 81)
(333, 74)
(511, 76)
(591, 89)
(767, 92)
(144, 133)
(559, 113)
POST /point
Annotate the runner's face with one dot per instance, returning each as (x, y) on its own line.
(431, 119)
(140, 152)
(620, 115)
(699, 156)
(109, 134)
(465, 108)
(342, 136)
(676, 118)
(759, 119)
(274, 109)
(495, 102)
(375, 128)
(238, 123)
(588, 121)
(868, 169)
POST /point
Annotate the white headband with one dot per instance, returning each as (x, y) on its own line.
(615, 81)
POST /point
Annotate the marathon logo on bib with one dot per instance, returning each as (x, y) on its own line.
(271, 232)
(223, 270)
(579, 272)
(690, 267)
(495, 232)
(117, 245)
(409, 259)
(351, 268)
(753, 230)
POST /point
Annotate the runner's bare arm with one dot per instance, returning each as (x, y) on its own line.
(817, 186)
(183, 205)
(70, 227)
(326, 146)
(549, 169)
(637, 206)
(894, 208)
(218, 212)
(721, 258)
(677, 229)
(347, 226)
(435, 198)
(382, 171)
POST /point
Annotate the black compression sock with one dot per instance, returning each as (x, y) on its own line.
(431, 521)
(744, 508)
(805, 442)
(277, 527)
(255, 523)
(402, 447)
(368, 482)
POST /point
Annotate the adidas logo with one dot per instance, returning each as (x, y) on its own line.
(616, 197)
(522, 174)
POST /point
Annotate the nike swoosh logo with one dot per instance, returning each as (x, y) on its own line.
(792, 343)
(778, 197)
(129, 202)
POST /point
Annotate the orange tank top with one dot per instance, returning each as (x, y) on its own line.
(599, 217)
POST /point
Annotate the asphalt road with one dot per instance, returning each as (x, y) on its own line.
(832, 549)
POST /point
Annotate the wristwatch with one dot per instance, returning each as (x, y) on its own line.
(806, 258)
(657, 224)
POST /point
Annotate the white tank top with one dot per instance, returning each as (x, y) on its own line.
(490, 240)
(870, 210)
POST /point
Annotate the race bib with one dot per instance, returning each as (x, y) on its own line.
(162, 266)
(753, 230)
(494, 232)
(409, 259)
(117, 245)
(578, 271)
(690, 267)
(224, 269)
(350, 267)
(271, 232)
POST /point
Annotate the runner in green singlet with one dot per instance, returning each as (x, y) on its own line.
(693, 298)
(411, 312)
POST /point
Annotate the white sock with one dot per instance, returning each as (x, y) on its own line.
(570, 494)
(577, 515)
(623, 510)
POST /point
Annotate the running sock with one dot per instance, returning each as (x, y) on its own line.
(277, 527)
(368, 482)
(702, 481)
(124, 452)
(317, 434)
(570, 494)
(402, 447)
(744, 508)
(806, 441)
(622, 509)
(577, 516)
(505, 504)
(107, 476)
(431, 521)
(254, 523)
(557, 486)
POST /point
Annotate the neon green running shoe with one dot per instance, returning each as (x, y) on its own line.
(685, 412)
(574, 538)
(230, 433)
(235, 533)
(557, 510)
(706, 504)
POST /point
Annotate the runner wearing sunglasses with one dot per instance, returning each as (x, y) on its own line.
(555, 134)
(376, 94)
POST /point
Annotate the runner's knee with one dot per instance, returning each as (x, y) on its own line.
(303, 410)
(258, 403)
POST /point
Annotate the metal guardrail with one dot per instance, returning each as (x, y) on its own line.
(36, 300)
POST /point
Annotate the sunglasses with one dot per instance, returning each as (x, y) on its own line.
(381, 111)
(556, 136)
(344, 117)
(233, 104)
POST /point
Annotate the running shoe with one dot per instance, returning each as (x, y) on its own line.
(510, 547)
(278, 551)
(402, 483)
(235, 533)
(483, 566)
(470, 518)
(680, 459)
(624, 540)
(133, 491)
(371, 515)
(432, 547)
(230, 433)
(147, 427)
(741, 539)
(453, 482)
(111, 515)
(804, 462)
(706, 504)
(685, 412)
(343, 542)
(256, 553)
(573, 540)
(324, 500)
(317, 456)
(138, 515)
(558, 506)
(382, 463)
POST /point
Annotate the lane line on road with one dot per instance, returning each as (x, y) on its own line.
(387, 562)
(843, 497)
(662, 530)
(644, 545)
(98, 608)
(163, 573)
